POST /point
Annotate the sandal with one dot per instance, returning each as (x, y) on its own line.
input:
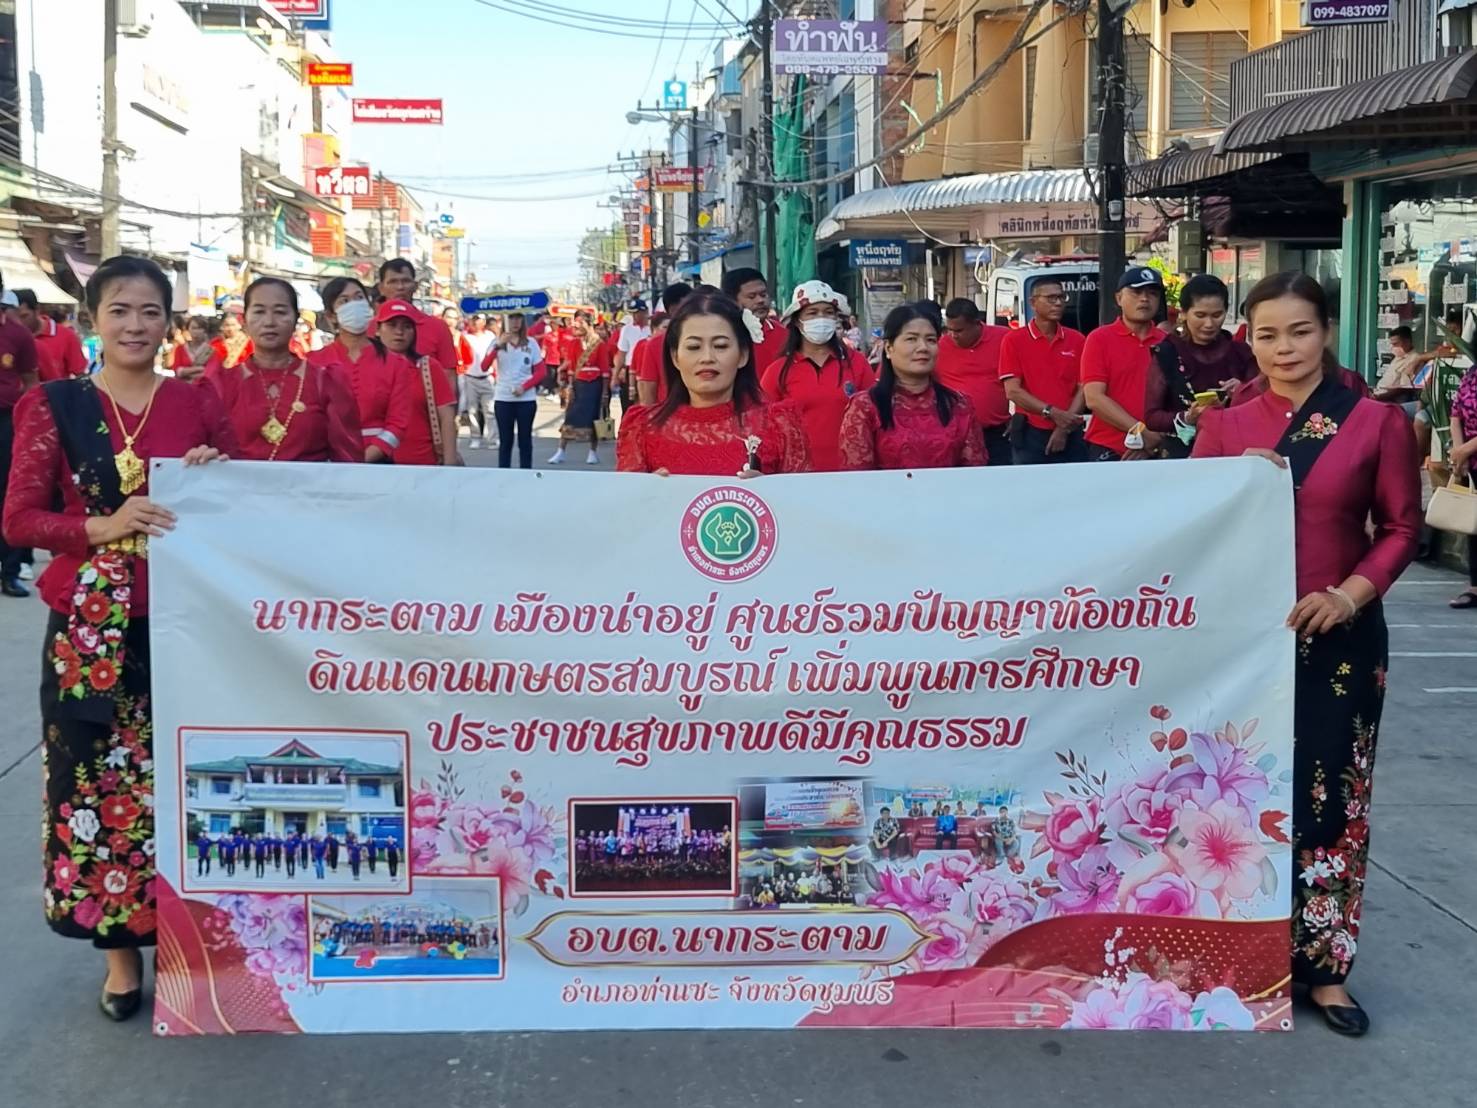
(1465, 600)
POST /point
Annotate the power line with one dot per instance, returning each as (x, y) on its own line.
(595, 24)
(506, 178)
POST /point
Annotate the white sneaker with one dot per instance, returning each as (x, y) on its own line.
(558, 458)
(26, 572)
(475, 444)
(593, 459)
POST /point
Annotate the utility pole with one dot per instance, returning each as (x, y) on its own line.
(771, 205)
(695, 199)
(111, 186)
(651, 257)
(1112, 248)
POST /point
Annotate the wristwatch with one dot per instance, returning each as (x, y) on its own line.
(1046, 410)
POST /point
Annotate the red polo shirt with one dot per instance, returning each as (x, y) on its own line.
(822, 394)
(975, 372)
(1114, 356)
(1049, 368)
(647, 358)
(17, 360)
(58, 352)
(772, 346)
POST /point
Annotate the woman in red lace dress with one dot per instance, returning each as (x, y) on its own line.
(907, 420)
(1352, 459)
(714, 421)
(87, 443)
(283, 408)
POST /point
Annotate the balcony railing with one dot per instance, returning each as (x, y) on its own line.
(296, 794)
(1332, 57)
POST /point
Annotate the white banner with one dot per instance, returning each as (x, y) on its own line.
(469, 749)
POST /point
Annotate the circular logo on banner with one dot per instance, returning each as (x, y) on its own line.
(728, 534)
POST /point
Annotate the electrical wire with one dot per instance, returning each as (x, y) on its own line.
(594, 26)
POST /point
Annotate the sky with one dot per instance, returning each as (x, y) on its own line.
(522, 96)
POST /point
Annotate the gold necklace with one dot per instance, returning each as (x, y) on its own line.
(274, 430)
(129, 465)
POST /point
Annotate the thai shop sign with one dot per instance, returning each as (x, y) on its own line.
(1034, 221)
(878, 253)
(828, 46)
(1332, 13)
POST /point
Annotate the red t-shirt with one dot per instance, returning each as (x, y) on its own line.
(822, 394)
(647, 358)
(58, 352)
(772, 346)
(974, 371)
(1050, 369)
(418, 447)
(1114, 356)
(17, 360)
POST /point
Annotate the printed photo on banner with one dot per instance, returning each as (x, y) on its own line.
(802, 842)
(929, 820)
(449, 929)
(293, 810)
(653, 846)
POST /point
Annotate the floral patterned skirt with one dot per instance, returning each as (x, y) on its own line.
(1340, 694)
(97, 835)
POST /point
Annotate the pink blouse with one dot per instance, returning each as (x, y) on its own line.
(916, 439)
(1369, 470)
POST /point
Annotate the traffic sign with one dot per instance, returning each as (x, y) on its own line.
(455, 232)
(674, 96)
(506, 302)
(447, 219)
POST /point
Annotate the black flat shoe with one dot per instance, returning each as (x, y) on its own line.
(11, 586)
(121, 1006)
(1350, 1020)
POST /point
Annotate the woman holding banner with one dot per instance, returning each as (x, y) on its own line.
(907, 420)
(1352, 459)
(282, 407)
(714, 421)
(87, 442)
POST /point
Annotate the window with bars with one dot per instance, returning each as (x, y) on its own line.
(1200, 78)
(1030, 89)
(1136, 90)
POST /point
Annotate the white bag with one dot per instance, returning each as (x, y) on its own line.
(1454, 508)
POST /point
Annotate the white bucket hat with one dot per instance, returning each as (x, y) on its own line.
(814, 292)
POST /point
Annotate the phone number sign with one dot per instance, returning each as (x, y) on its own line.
(1332, 13)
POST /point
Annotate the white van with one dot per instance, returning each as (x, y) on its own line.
(1008, 291)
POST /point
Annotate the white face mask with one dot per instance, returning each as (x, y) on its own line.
(819, 330)
(354, 316)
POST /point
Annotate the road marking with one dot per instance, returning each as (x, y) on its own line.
(1454, 689)
(1433, 654)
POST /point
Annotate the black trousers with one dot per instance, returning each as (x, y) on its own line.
(1030, 447)
(514, 415)
(997, 445)
(948, 842)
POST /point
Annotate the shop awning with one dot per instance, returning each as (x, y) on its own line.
(946, 206)
(20, 270)
(1193, 172)
(1427, 104)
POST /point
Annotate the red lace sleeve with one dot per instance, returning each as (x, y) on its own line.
(36, 474)
(630, 445)
(345, 441)
(974, 453)
(794, 449)
(218, 430)
(859, 434)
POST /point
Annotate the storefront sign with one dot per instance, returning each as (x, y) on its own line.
(689, 796)
(341, 180)
(1042, 221)
(827, 46)
(673, 178)
(330, 73)
(302, 9)
(398, 111)
(878, 253)
(1331, 13)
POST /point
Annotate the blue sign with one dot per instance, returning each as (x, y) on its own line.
(674, 96)
(447, 219)
(878, 253)
(506, 302)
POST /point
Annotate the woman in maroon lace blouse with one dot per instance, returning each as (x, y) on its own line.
(87, 443)
(282, 407)
(1352, 459)
(714, 421)
(907, 420)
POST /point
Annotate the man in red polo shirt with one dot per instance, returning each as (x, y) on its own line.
(1041, 366)
(750, 291)
(651, 385)
(1115, 366)
(969, 363)
(397, 281)
(58, 349)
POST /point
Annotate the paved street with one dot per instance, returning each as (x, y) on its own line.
(1417, 970)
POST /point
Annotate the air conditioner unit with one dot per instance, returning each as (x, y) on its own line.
(135, 17)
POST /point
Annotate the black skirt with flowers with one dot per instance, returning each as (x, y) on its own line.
(1340, 694)
(97, 839)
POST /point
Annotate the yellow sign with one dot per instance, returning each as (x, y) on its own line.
(455, 232)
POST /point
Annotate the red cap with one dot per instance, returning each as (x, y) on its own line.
(393, 309)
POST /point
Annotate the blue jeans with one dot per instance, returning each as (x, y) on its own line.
(318, 867)
(1030, 447)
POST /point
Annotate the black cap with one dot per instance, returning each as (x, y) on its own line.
(636, 304)
(1141, 277)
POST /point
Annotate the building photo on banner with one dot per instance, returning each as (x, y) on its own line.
(791, 769)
